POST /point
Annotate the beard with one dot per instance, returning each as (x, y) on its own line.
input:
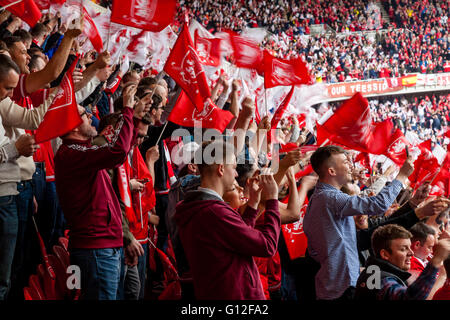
(88, 131)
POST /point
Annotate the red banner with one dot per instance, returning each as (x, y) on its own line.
(348, 89)
(295, 237)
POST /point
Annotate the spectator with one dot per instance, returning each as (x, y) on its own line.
(391, 245)
(336, 248)
(219, 243)
(87, 198)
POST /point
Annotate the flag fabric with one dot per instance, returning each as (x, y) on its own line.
(396, 149)
(294, 236)
(62, 116)
(42, 4)
(409, 80)
(90, 30)
(208, 50)
(185, 114)
(183, 65)
(125, 193)
(351, 126)
(282, 72)
(281, 109)
(246, 52)
(150, 15)
(27, 10)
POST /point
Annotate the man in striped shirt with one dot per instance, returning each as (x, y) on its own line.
(329, 225)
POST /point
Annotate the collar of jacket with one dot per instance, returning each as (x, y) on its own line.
(87, 142)
(388, 267)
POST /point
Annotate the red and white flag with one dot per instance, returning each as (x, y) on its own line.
(27, 10)
(183, 65)
(294, 236)
(62, 116)
(281, 109)
(396, 149)
(246, 52)
(150, 15)
(208, 50)
(90, 30)
(185, 114)
(282, 72)
(351, 126)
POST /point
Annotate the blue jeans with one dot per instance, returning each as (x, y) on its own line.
(288, 289)
(23, 266)
(142, 270)
(100, 272)
(8, 235)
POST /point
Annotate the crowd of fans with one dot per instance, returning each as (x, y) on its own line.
(415, 40)
(144, 226)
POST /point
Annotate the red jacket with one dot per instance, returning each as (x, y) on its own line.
(84, 187)
(220, 245)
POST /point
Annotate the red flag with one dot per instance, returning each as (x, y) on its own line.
(185, 114)
(281, 109)
(351, 126)
(183, 65)
(150, 15)
(282, 72)
(447, 134)
(62, 116)
(246, 52)
(294, 236)
(27, 10)
(90, 30)
(396, 149)
(208, 50)
(364, 159)
(42, 4)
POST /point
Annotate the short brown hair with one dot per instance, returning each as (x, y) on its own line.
(201, 157)
(322, 155)
(420, 232)
(383, 236)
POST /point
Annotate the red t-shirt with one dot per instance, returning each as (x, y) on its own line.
(45, 152)
(416, 264)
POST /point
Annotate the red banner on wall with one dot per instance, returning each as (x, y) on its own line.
(348, 89)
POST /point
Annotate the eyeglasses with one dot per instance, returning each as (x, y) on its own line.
(140, 136)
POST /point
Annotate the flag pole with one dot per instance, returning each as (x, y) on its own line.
(11, 4)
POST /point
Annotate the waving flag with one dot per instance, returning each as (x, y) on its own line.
(351, 126)
(27, 10)
(185, 114)
(150, 15)
(281, 109)
(184, 66)
(208, 50)
(282, 72)
(90, 30)
(62, 116)
(246, 52)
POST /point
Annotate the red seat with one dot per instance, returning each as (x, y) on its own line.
(61, 275)
(48, 282)
(36, 288)
(62, 255)
(63, 242)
